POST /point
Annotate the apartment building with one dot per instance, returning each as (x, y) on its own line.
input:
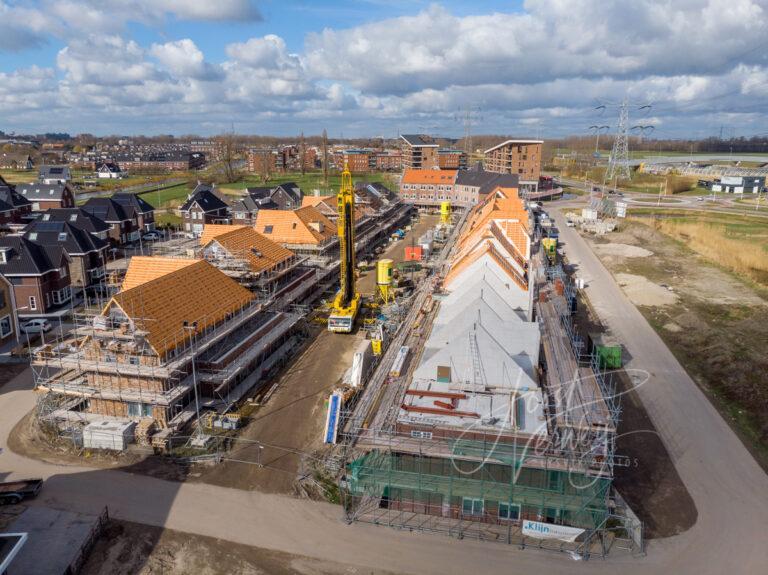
(519, 157)
(420, 152)
(448, 159)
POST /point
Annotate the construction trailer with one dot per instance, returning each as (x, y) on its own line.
(511, 443)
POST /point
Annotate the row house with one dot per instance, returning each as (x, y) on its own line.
(473, 186)
(245, 209)
(43, 196)
(161, 161)
(16, 161)
(304, 231)
(87, 253)
(14, 208)
(39, 274)
(79, 218)
(427, 187)
(127, 215)
(135, 361)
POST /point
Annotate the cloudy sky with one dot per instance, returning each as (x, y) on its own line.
(379, 67)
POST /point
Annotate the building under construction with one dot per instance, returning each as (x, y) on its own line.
(178, 338)
(500, 427)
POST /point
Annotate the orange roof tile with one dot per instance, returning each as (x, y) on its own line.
(210, 231)
(244, 242)
(314, 200)
(142, 269)
(413, 176)
(302, 226)
(197, 292)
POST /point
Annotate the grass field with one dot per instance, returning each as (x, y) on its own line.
(308, 182)
(734, 242)
(168, 198)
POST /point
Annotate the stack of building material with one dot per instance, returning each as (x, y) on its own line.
(144, 431)
(113, 435)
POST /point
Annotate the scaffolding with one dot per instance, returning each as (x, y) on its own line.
(488, 485)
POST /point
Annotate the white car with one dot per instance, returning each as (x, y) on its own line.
(151, 236)
(37, 326)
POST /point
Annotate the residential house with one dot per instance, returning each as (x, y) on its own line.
(39, 274)
(54, 174)
(473, 186)
(245, 209)
(47, 195)
(79, 218)
(136, 359)
(123, 223)
(304, 231)
(16, 161)
(137, 208)
(427, 187)
(109, 170)
(9, 321)
(87, 253)
(16, 208)
(326, 205)
(247, 256)
(287, 196)
(202, 207)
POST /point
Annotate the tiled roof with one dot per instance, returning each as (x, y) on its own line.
(143, 269)
(42, 192)
(243, 242)
(295, 227)
(314, 200)
(196, 292)
(418, 140)
(26, 257)
(205, 198)
(412, 176)
(210, 231)
(77, 217)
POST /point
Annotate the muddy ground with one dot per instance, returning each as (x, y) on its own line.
(134, 549)
(715, 323)
(646, 478)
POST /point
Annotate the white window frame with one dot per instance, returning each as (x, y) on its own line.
(473, 505)
(32, 303)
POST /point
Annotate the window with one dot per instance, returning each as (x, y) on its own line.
(509, 511)
(63, 272)
(421, 434)
(136, 409)
(73, 218)
(33, 236)
(5, 326)
(133, 360)
(2, 299)
(471, 506)
(63, 236)
(268, 229)
(553, 481)
(32, 303)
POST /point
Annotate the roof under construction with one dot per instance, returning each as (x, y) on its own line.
(304, 226)
(243, 242)
(160, 305)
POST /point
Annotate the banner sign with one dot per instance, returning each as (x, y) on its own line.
(550, 531)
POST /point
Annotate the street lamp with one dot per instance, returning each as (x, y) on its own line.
(192, 328)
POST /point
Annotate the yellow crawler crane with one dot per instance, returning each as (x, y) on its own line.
(347, 301)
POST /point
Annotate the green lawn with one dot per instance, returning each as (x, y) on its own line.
(169, 197)
(309, 182)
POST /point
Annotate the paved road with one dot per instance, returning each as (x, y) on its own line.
(729, 489)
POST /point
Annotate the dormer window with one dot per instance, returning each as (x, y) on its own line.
(63, 236)
(33, 236)
(46, 217)
(5, 255)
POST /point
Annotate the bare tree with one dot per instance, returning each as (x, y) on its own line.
(325, 158)
(303, 154)
(227, 145)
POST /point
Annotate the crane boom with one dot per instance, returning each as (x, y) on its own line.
(347, 301)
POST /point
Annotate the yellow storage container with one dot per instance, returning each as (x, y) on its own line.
(384, 272)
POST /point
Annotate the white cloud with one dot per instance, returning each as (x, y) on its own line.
(184, 59)
(545, 67)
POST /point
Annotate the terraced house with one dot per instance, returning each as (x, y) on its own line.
(133, 361)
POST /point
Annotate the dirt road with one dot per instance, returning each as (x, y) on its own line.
(290, 423)
(396, 251)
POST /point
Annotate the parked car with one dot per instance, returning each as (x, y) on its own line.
(13, 492)
(569, 223)
(152, 236)
(37, 326)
